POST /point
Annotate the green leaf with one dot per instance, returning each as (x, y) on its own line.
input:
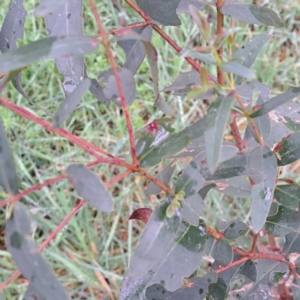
(48, 48)
(88, 185)
(288, 195)
(70, 103)
(32, 294)
(217, 290)
(296, 288)
(239, 187)
(111, 90)
(135, 49)
(277, 277)
(29, 261)
(235, 229)
(192, 209)
(263, 285)
(292, 243)
(12, 30)
(163, 12)
(237, 68)
(276, 101)
(216, 121)
(9, 180)
(252, 14)
(164, 242)
(222, 252)
(248, 269)
(173, 144)
(204, 57)
(286, 221)
(164, 176)
(290, 149)
(263, 160)
(249, 51)
(47, 7)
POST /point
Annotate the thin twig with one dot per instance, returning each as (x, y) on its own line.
(118, 81)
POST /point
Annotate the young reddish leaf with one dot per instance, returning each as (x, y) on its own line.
(66, 20)
(164, 176)
(47, 7)
(183, 6)
(247, 54)
(12, 29)
(216, 121)
(252, 14)
(111, 90)
(88, 185)
(163, 12)
(263, 160)
(9, 180)
(29, 261)
(70, 103)
(48, 48)
(135, 49)
(142, 214)
(277, 101)
(290, 149)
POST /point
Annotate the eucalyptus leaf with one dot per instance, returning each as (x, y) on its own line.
(88, 185)
(289, 149)
(222, 252)
(288, 195)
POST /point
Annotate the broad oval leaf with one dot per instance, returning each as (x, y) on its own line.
(28, 260)
(163, 12)
(263, 160)
(12, 29)
(289, 149)
(250, 13)
(88, 185)
(286, 221)
(164, 176)
(9, 180)
(134, 49)
(288, 195)
(70, 103)
(222, 252)
(216, 121)
(276, 101)
(48, 48)
(234, 229)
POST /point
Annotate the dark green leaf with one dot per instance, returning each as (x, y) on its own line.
(28, 260)
(222, 252)
(252, 14)
(279, 277)
(237, 68)
(248, 269)
(235, 229)
(286, 221)
(47, 7)
(183, 6)
(32, 294)
(263, 160)
(48, 48)
(273, 209)
(288, 195)
(163, 12)
(249, 51)
(173, 144)
(9, 180)
(70, 103)
(216, 121)
(135, 49)
(12, 29)
(262, 288)
(157, 292)
(276, 101)
(192, 209)
(164, 176)
(217, 290)
(195, 130)
(88, 185)
(239, 187)
(290, 149)
(111, 90)
(203, 192)
(292, 243)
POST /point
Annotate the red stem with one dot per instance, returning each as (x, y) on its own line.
(237, 262)
(53, 234)
(167, 38)
(118, 80)
(254, 243)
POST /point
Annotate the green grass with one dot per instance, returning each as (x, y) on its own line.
(94, 245)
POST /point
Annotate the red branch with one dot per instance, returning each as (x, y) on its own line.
(235, 263)
(166, 37)
(53, 234)
(118, 80)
